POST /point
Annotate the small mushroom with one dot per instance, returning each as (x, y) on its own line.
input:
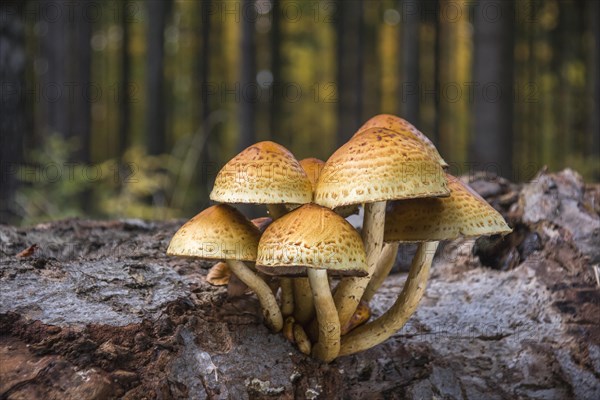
(303, 299)
(373, 167)
(314, 241)
(222, 233)
(220, 274)
(265, 173)
(427, 221)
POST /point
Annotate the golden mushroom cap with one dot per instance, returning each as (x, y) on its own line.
(311, 237)
(264, 173)
(397, 124)
(313, 167)
(379, 165)
(218, 233)
(463, 213)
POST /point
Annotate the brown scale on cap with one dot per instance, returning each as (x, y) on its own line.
(464, 213)
(218, 233)
(264, 173)
(311, 237)
(404, 127)
(379, 165)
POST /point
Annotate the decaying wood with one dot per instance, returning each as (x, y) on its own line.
(98, 311)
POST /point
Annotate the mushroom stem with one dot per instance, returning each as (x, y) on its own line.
(304, 306)
(287, 296)
(386, 260)
(350, 290)
(328, 346)
(375, 332)
(267, 300)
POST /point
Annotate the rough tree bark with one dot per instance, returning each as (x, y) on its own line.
(98, 311)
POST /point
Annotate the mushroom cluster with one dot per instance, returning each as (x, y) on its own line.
(292, 259)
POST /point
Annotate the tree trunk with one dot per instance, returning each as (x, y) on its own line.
(12, 105)
(410, 82)
(349, 82)
(248, 87)
(593, 12)
(158, 13)
(124, 98)
(81, 56)
(276, 87)
(55, 46)
(106, 314)
(492, 137)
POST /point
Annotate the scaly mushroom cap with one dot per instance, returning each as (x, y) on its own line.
(379, 165)
(218, 233)
(404, 127)
(311, 237)
(464, 213)
(264, 173)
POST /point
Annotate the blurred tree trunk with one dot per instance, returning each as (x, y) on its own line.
(55, 46)
(276, 106)
(124, 99)
(532, 130)
(492, 138)
(158, 12)
(248, 87)
(593, 13)
(81, 56)
(202, 82)
(349, 82)
(12, 104)
(370, 68)
(437, 23)
(409, 86)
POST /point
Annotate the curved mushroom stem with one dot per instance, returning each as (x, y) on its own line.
(373, 333)
(328, 345)
(288, 328)
(301, 339)
(304, 306)
(361, 315)
(267, 300)
(350, 290)
(386, 260)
